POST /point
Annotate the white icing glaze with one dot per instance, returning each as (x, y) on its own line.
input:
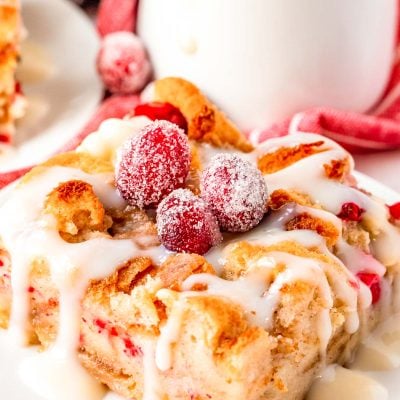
(152, 388)
(111, 134)
(168, 335)
(29, 235)
(381, 349)
(307, 176)
(341, 383)
(259, 296)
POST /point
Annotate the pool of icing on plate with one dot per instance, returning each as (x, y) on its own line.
(29, 233)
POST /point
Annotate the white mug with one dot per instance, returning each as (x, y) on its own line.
(264, 60)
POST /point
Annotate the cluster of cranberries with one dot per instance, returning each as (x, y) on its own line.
(152, 170)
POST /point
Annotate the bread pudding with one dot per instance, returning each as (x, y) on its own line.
(177, 263)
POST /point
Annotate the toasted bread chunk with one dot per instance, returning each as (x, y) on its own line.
(77, 210)
(281, 197)
(205, 121)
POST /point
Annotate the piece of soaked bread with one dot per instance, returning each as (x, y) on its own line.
(256, 318)
(205, 121)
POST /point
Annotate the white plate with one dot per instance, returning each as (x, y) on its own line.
(69, 40)
(12, 389)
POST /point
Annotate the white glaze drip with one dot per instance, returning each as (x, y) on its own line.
(168, 336)
(152, 388)
(308, 176)
(340, 383)
(31, 235)
(259, 296)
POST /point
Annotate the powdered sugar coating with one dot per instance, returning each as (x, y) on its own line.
(152, 164)
(235, 191)
(122, 63)
(186, 224)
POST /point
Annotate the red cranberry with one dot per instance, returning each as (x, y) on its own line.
(5, 138)
(235, 191)
(394, 210)
(18, 88)
(100, 324)
(373, 282)
(152, 164)
(157, 110)
(122, 63)
(131, 348)
(351, 212)
(186, 224)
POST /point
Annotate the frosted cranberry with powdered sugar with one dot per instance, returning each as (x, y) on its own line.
(152, 164)
(122, 63)
(235, 191)
(186, 224)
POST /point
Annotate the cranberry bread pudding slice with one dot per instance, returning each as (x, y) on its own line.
(257, 316)
(10, 95)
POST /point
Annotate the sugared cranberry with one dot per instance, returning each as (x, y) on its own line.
(152, 164)
(394, 210)
(373, 281)
(122, 63)
(351, 212)
(156, 110)
(235, 191)
(186, 224)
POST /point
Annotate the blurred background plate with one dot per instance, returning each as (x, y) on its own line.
(59, 78)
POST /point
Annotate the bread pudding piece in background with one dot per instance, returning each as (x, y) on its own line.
(256, 318)
(11, 104)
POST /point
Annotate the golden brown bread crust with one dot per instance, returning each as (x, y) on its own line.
(337, 169)
(205, 122)
(77, 210)
(280, 197)
(286, 156)
(305, 221)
